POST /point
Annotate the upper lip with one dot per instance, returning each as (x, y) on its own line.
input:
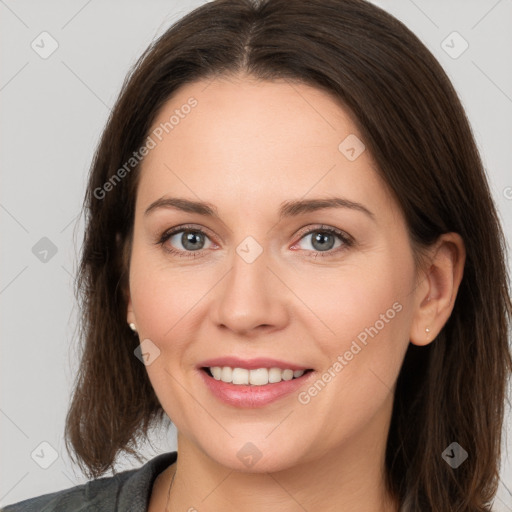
(251, 364)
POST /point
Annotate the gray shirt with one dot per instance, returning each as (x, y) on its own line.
(128, 491)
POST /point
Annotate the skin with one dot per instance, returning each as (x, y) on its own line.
(247, 147)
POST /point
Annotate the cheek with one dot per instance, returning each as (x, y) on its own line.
(358, 298)
(163, 296)
(163, 300)
(362, 359)
(366, 312)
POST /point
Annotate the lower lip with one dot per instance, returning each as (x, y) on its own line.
(250, 396)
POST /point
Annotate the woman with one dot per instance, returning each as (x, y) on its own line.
(337, 339)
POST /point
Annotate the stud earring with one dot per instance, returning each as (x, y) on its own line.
(132, 327)
(427, 330)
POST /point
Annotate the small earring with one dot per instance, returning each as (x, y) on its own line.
(132, 327)
(427, 330)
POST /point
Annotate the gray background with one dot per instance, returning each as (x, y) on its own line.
(53, 111)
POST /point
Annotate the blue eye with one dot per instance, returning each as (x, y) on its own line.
(193, 241)
(324, 240)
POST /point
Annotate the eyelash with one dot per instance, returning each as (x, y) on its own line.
(346, 239)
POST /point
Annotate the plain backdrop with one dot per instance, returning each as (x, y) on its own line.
(53, 111)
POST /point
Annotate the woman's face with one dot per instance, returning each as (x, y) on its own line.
(260, 279)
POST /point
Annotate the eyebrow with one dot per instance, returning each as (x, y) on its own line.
(287, 208)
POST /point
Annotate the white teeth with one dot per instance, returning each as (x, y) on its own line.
(274, 375)
(240, 376)
(287, 374)
(227, 374)
(258, 377)
(216, 372)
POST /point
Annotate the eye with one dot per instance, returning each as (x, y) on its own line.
(323, 240)
(192, 240)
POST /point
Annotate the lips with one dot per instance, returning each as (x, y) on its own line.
(249, 396)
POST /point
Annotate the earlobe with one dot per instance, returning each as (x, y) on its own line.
(438, 290)
(130, 316)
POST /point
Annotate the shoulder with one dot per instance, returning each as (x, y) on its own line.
(128, 490)
(72, 499)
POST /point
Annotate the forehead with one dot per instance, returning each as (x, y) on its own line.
(255, 142)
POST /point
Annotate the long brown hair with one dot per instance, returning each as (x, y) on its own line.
(413, 124)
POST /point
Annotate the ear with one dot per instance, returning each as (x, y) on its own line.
(437, 289)
(131, 320)
(124, 248)
(130, 316)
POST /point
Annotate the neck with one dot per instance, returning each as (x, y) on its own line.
(349, 478)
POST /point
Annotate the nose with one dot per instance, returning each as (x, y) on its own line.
(251, 298)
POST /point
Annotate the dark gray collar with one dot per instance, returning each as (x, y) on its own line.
(129, 491)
